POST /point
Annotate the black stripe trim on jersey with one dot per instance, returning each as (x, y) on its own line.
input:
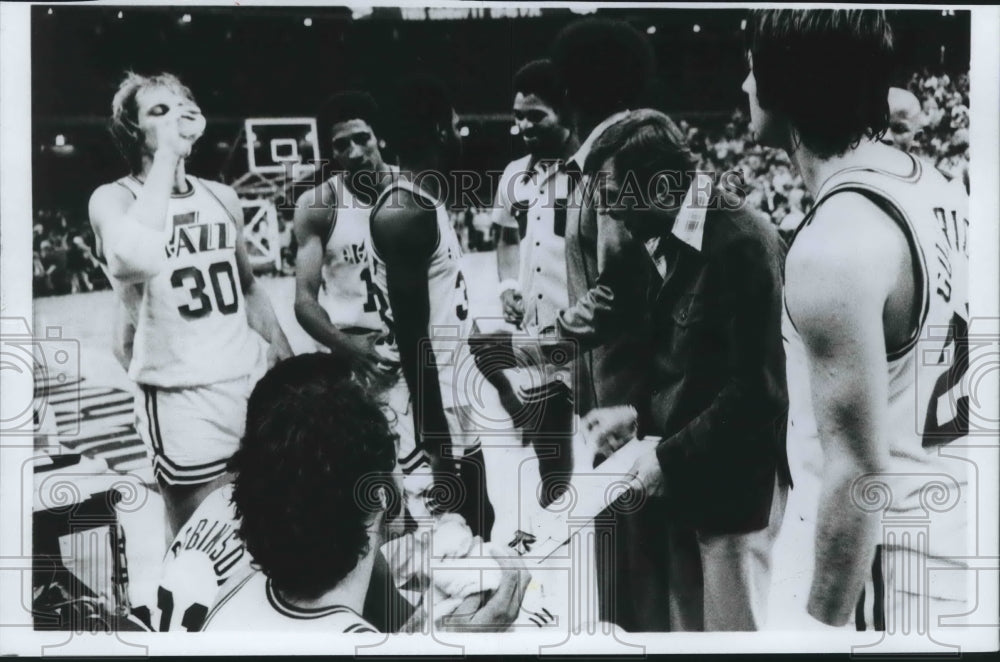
(208, 188)
(186, 478)
(286, 608)
(148, 392)
(894, 211)
(127, 188)
(186, 194)
(916, 170)
(221, 602)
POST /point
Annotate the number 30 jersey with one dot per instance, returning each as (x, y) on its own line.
(190, 319)
(928, 397)
(449, 300)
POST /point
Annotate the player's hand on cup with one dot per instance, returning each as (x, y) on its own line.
(178, 129)
(513, 306)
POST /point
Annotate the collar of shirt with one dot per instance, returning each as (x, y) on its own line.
(580, 157)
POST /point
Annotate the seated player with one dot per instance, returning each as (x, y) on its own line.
(317, 493)
(173, 248)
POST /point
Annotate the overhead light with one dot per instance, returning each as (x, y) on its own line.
(50, 12)
(60, 140)
(584, 10)
(360, 12)
(186, 18)
(651, 29)
(743, 24)
(120, 15)
(696, 28)
(514, 130)
(307, 22)
(464, 132)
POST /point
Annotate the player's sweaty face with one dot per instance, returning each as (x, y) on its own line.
(355, 147)
(537, 122)
(153, 103)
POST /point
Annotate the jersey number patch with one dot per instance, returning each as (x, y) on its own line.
(194, 616)
(948, 385)
(225, 299)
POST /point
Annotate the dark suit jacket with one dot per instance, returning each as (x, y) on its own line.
(606, 315)
(718, 394)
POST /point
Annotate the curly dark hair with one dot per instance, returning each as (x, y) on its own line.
(343, 107)
(316, 452)
(539, 77)
(605, 65)
(827, 70)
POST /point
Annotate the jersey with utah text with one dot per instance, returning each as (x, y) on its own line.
(190, 319)
(348, 293)
(928, 398)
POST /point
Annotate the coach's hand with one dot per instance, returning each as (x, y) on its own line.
(497, 614)
(513, 307)
(646, 474)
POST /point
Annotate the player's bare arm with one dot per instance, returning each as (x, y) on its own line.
(313, 222)
(131, 231)
(260, 313)
(405, 236)
(839, 275)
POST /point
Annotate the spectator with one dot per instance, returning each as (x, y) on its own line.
(56, 272)
(79, 262)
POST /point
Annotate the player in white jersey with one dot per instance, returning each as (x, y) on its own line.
(172, 245)
(336, 301)
(415, 258)
(317, 494)
(876, 314)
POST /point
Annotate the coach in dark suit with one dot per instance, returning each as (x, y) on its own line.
(695, 555)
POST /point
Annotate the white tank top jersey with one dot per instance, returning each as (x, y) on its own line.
(190, 319)
(928, 397)
(205, 553)
(449, 299)
(348, 293)
(250, 603)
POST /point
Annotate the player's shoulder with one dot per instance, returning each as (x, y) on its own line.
(850, 244)
(319, 197)
(109, 200)
(224, 192)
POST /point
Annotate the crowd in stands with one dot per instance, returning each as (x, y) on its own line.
(64, 259)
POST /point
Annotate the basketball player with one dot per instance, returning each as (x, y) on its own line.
(336, 301)
(415, 260)
(172, 245)
(317, 493)
(876, 314)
